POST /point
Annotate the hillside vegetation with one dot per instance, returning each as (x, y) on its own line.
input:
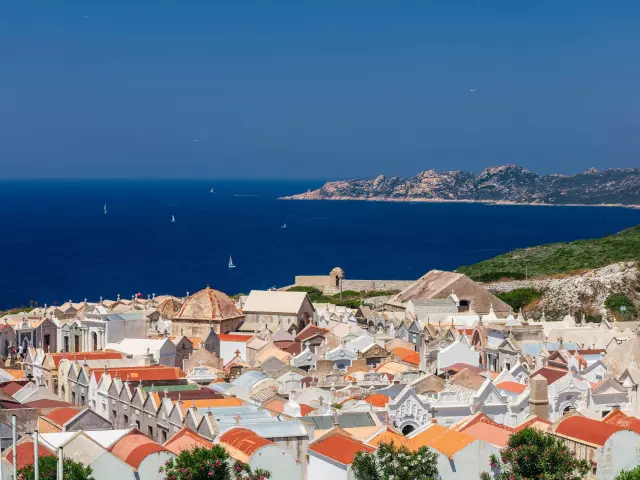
(558, 258)
(350, 298)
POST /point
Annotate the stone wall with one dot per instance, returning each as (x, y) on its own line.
(369, 285)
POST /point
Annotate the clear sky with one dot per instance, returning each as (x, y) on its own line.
(316, 89)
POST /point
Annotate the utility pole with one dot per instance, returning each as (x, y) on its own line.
(15, 446)
(36, 467)
(340, 288)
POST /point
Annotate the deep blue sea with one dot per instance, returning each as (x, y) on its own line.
(56, 244)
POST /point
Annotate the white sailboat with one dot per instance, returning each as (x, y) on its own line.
(231, 265)
(212, 190)
(284, 225)
(105, 208)
(173, 219)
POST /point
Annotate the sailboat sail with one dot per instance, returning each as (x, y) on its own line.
(105, 208)
(173, 219)
(231, 265)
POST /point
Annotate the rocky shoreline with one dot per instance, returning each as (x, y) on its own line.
(502, 185)
(304, 196)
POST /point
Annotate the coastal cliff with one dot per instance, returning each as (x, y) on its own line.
(510, 184)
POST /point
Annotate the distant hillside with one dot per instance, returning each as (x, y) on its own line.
(557, 258)
(502, 184)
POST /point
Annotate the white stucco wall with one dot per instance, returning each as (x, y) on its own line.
(274, 459)
(118, 330)
(148, 469)
(228, 349)
(167, 355)
(109, 467)
(320, 469)
(457, 352)
(620, 452)
(467, 463)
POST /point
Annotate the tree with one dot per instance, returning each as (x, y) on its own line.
(48, 470)
(391, 463)
(629, 474)
(616, 300)
(531, 454)
(242, 471)
(209, 464)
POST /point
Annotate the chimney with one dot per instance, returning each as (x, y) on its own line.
(539, 397)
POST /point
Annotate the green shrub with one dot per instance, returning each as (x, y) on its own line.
(557, 258)
(520, 297)
(533, 454)
(617, 300)
(389, 462)
(629, 474)
(208, 464)
(48, 470)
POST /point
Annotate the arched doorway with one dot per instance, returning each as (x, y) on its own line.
(407, 429)
(94, 337)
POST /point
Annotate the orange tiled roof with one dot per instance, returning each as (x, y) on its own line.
(451, 442)
(388, 436)
(242, 443)
(79, 356)
(406, 355)
(310, 331)
(340, 448)
(186, 439)
(512, 387)
(277, 406)
(62, 415)
(141, 374)
(16, 374)
(134, 448)
(551, 374)
(224, 337)
(534, 422)
(210, 402)
(377, 400)
(491, 433)
(618, 418)
(586, 429)
(25, 453)
(426, 437)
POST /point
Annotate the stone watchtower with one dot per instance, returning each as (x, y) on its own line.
(335, 277)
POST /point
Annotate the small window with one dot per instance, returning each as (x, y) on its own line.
(126, 421)
(138, 424)
(164, 436)
(150, 432)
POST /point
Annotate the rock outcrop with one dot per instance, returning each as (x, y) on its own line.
(501, 184)
(585, 291)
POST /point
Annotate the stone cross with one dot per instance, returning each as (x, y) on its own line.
(237, 418)
(237, 352)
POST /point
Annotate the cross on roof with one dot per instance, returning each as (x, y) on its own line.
(237, 418)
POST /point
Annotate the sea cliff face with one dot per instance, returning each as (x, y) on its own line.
(501, 184)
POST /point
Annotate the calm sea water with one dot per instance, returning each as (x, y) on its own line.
(56, 244)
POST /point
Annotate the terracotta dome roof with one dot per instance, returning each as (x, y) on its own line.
(169, 308)
(338, 271)
(208, 304)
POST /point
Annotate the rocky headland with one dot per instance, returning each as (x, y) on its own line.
(508, 184)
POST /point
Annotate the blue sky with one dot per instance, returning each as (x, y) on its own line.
(323, 89)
